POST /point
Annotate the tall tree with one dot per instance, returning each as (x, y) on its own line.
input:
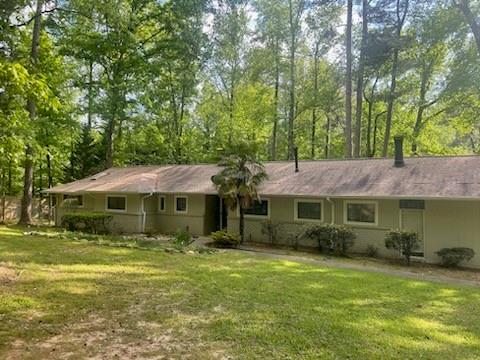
(472, 20)
(360, 79)
(401, 11)
(348, 81)
(295, 12)
(26, 212)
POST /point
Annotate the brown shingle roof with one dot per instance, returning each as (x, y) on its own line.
(427, 177)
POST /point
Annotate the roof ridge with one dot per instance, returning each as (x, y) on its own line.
(442, 156)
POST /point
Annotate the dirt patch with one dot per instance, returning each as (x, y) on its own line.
(99, 338)
(8, 275)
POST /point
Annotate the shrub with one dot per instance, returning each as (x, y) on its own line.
(372, 251)
(182, 238)
(403, 241)
(90, 222)
(271, 229)
(225, 239)
(454, 256)
(336, 238)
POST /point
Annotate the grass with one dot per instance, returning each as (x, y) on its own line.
(61, 298)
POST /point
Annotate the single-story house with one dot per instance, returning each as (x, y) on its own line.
(439, 197)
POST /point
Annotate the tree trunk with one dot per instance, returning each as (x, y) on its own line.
(26, 211)
(391, 99)
(361, 66)
(291, 104)
(275, 102)
(370, 102)
(464, 7)
(49, 184)
(348, 82)
(315, 99)
(241, 224)
(327, 137)
(426, 73)
(90, 95)
(393, 83)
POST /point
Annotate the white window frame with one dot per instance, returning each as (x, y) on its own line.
(316, 201)
(175, 204)
(116, 210)
(359, 223)
(160, 197)
(251, 216)
(75, 206)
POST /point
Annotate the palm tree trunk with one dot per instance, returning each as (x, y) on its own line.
(241, 225)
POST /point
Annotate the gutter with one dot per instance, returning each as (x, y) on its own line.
(144, 215)
(332, 207)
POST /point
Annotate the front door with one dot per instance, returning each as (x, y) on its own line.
(412, 220)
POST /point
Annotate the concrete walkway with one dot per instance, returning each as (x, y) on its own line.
(352, 265)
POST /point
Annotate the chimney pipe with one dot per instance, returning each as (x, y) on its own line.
(399, 151)
(295, 154)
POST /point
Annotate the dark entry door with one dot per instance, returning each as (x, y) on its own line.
(223, 214)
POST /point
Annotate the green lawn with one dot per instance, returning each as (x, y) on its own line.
(61, 298)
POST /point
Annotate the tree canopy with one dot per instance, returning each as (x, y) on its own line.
(85, 85)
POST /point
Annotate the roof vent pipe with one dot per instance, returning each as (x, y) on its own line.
(399, 151)
(295, 154)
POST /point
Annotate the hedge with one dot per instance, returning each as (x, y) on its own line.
(90, 222)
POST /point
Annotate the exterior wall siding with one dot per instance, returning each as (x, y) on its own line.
(129, 221)
(169, 221)
(447, 223)
(452, 224)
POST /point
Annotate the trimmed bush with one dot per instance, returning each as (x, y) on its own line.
(271, 229)
(89, 222)
(372, 251)
(225, 239)
(335, 238)
(454, 256)
(404, 241)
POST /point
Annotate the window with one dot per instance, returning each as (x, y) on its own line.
(308, 210)
(161, 204)
(258, 208)
(181, 204)
(361, 212)
(117, 203)
(53, 201)
(73, 200)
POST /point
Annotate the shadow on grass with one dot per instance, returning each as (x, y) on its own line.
(205, 305)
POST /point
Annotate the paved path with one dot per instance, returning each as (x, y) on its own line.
(334, 263)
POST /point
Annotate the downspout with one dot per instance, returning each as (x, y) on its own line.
(332, 210)
(144, 215)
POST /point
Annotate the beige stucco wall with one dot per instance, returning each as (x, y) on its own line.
(127, 221)
(446, 224)
(452, 224)
(169, 221)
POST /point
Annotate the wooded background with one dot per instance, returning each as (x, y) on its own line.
(89, 84)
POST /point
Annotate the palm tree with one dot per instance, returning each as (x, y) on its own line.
(237, 183)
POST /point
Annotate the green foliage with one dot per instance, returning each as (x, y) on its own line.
(452, 257)
(239, 179)
(271, 229)
(182, 238)
(403, 241)
(90, 222)
(372, 251)
(225, 239)
(335, 238)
